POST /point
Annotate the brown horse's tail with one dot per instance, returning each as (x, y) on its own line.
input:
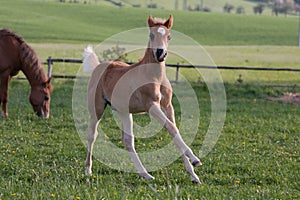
(90, 59)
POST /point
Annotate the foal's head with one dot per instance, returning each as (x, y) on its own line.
(40, 99)
(159, 36)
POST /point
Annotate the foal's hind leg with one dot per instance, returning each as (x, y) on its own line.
(128, 140)
(92, 135)
(95, 116)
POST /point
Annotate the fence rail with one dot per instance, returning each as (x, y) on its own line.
(51, 60)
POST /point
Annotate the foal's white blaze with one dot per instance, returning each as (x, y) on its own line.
(161, 30)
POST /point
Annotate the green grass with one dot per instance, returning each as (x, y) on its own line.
(257, 155)
(78, 23)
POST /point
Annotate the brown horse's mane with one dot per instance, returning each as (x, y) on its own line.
(7, 32)
(29, 58)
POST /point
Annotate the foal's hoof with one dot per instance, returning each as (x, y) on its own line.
(147, 176)
(196, 182)
(197, 163)
(88, 172)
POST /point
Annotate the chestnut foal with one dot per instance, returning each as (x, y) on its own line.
(141, 87)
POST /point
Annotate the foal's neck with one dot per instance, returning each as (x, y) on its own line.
(152, 69)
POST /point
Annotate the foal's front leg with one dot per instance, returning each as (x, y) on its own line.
(128, 140)
(189, 168)
(169, 123)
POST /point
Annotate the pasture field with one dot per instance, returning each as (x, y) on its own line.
(258, 56)
(256, 157)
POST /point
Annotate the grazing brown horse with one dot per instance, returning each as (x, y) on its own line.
(141, 87)
(16, 55)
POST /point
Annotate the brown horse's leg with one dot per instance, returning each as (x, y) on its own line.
(93, 133)
(4, 94)
(128, 140)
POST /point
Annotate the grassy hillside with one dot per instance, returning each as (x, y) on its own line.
(213, 5)
(40, 21)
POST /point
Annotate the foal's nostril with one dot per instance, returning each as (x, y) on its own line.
(160, 55)
(159, 52)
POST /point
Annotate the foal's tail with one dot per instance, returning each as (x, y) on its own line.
(90, 59)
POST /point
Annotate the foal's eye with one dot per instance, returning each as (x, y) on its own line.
(152, 36)
(169, 37)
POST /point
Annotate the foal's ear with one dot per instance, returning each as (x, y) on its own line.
(151, 22)
(169, 23)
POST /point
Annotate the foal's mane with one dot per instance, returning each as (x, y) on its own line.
(159, 21)
(29, 58)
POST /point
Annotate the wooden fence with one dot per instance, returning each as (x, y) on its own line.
(50, 62)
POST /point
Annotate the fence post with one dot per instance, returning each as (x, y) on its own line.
(299, 31)
(49, 61)
(177, 72)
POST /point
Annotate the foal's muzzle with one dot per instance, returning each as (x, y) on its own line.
(160, 54)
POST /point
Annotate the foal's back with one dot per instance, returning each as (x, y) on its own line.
(127, 88)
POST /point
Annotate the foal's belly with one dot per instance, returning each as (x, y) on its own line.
(136, 104)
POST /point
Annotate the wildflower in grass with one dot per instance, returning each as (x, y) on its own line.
(77, 198)
(52, 195)
(244, 145)
(237, 181)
